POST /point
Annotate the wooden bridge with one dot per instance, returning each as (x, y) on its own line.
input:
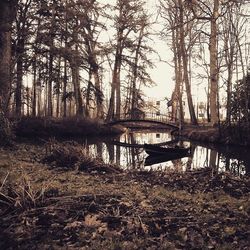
(146, 118)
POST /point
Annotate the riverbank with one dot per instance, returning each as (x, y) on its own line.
(223, 135)
(46, 205)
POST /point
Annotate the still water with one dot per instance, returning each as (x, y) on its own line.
(127, 151)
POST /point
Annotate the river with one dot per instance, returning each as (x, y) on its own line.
(127, 151)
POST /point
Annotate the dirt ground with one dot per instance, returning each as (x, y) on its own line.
(46, 206)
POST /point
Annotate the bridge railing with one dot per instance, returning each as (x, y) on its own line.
(152, 116)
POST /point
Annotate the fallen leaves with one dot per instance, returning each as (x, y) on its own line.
(135, 210)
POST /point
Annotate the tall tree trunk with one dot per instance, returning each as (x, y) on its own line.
(110, 114)
(58, 88)
(116, 75)
(94, 71)
(7, 14)
(99, 100)
(77, 90)
(39, 101)
(214, 64)
(115, 87)
(185, 67)
(229, 92)
(208, 102)
(28, 100)
(45, 98)
(174, 94)
(87, 106)
(179, 88)
(51, 59)
(34, 99)
(50, 80)
(19, 73)
(135, 73)
(65, 89)
(118, 88)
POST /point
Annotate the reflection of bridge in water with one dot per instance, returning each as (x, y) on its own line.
(148, 118)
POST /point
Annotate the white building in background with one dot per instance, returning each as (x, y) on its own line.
(156, 107)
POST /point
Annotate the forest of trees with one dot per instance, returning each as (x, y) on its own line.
(56, 56)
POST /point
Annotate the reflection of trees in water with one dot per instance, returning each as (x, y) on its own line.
(234, 166)
(111, 152)
(129, 157)
(237, 167)
(190, 158)
(212, 159)
(134, 157)
(220, 159)
(99, 149)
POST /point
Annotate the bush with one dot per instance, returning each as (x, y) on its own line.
(71, 155)
(65, 127)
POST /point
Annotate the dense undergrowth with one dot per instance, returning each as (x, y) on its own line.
(59, 205)
(238, 134)
(63, 127)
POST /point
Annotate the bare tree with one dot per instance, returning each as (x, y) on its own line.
(126, 21)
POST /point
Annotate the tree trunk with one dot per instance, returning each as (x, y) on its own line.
(135, 73)
(34, 99)
(19, 73)
(174, 94)
(7, 14)
(185, 67)
(77, 90)
(179, 88)
(58, 88)
(87, 106)
(65, 89)
(99, 100)
(214, 65)
(39, 101)
(118, 88)
(110, 114)
(50, 80)
(28, 100)
(116, 75)
(115, 87)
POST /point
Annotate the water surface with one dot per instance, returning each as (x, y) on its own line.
(128, 152)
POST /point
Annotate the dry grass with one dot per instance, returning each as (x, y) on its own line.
(79, 210)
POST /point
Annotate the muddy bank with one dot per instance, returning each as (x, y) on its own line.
(48, 206)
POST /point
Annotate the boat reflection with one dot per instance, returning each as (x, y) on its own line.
(152, 160)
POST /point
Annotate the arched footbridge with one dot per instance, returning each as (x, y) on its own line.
(146, 120)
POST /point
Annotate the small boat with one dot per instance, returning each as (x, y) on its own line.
(157, 150)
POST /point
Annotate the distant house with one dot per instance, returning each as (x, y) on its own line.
(156, 107)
